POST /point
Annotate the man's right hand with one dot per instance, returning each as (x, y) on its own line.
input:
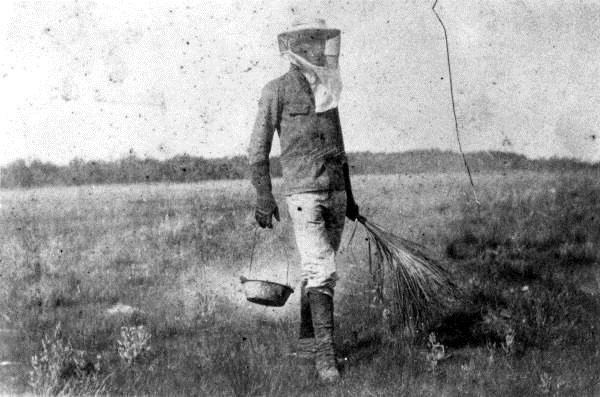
(266, 209)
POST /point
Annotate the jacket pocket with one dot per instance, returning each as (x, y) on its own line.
(297, 109)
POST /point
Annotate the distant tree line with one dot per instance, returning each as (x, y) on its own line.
(185, 168)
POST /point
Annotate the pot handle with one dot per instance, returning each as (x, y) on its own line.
(287, 270)
(252, 251)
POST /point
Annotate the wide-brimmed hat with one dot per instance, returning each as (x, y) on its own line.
(314, 28)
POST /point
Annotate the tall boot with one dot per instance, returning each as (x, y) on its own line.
(306, 341)
(321, 306)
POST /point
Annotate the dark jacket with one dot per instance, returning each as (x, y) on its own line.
(312, 146)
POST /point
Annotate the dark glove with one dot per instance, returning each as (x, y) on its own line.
(266, 208)
(352, 210)
(351, 207)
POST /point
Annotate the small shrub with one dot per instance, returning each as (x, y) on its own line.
(61, 369)
(50, 366)
(437, 352)
(133, 343)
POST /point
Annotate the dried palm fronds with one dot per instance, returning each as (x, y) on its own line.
(418, 285)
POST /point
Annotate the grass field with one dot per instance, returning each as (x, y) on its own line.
(135, 290)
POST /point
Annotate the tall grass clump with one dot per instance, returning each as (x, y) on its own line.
(254, 365)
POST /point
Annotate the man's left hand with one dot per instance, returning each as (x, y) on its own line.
(352, 210)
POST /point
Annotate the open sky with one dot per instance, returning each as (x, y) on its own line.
(96, 79)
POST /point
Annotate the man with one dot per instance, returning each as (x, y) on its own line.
(302, 106)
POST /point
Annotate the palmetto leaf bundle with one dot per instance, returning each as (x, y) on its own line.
(418, 286)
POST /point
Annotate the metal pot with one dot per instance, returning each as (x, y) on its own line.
(266, 293)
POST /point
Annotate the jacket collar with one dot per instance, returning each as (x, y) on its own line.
(296, 71)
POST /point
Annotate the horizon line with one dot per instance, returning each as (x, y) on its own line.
(31, 160)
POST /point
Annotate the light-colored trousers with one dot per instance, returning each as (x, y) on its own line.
(318, 219)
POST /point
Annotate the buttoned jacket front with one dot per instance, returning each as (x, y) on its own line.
(312, 146)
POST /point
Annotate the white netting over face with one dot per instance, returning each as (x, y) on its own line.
(321, 48)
